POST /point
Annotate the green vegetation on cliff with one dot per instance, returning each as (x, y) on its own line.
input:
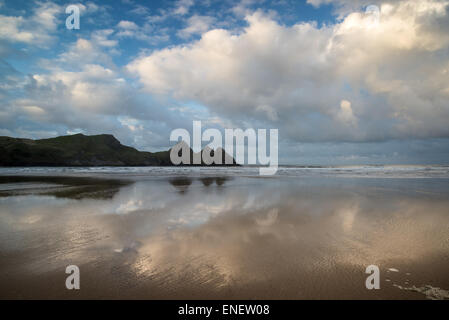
(78, 150)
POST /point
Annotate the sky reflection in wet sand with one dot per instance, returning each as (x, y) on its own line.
(217, 237)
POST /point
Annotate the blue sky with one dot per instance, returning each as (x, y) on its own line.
(342, 85)
(160, 18)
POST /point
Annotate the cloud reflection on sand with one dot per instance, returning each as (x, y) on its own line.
(239, 238)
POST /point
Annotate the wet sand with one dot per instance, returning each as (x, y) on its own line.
(219, 237)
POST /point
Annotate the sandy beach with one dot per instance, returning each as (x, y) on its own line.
(223, 237)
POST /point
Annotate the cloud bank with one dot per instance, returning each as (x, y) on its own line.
(352, 89)
(352, 81)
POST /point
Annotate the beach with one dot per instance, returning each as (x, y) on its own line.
(224, 233)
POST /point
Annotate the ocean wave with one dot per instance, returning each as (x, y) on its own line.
(284, 171)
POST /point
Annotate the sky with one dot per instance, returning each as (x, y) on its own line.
(344, 82)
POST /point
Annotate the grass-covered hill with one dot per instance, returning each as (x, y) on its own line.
(78, 150)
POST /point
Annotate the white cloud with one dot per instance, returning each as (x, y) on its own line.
(94, 98)
(127, 25)
(85, 51)
(83, 88)
(196, 25)
(241, 9)
(93, 89)
(87, 7)
(183, 7)
(388, 81)
(34, 110)
(128, 29)
(38, 29)
(10, 29)
(317, 3)
(140, 10)
(100, 37)
(345, 114)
